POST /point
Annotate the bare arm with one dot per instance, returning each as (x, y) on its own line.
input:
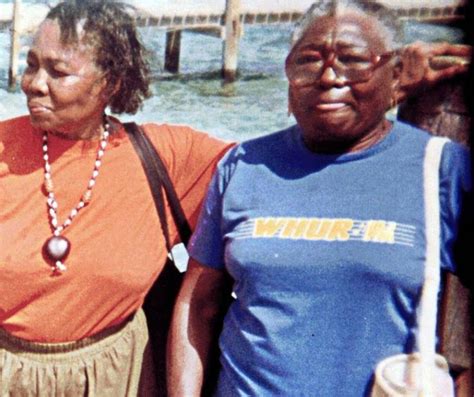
(425, 64)
(464, 384)
(196, 323)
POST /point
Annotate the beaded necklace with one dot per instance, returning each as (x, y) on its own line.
(57, 247)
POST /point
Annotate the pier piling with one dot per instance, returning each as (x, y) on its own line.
(15, 47)
(231, 41)
(172, 51)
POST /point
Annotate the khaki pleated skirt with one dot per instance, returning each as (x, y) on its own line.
(115, 363)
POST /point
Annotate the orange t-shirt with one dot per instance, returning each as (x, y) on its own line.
(117, 245)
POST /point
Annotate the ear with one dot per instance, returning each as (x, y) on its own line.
(113, 89)
(108, 89)
(289, 58)
(292, 104)
(290, 94)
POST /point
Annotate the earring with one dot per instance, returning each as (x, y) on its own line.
(393, 102)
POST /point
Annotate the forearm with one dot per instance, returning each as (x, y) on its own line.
(195, 328)
(188, 345)
(464, 384)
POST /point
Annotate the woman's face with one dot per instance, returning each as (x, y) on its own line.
(335, 115)
(64, 87)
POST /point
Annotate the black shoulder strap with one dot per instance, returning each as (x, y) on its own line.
(158, 178)
(160, 299)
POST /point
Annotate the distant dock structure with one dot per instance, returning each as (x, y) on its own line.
(225, 21)
(218, 18)
(265, 12)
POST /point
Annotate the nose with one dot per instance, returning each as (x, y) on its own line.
(329, 78)
(35, 82)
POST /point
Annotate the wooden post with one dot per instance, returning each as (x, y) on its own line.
(173, 47)
(15, 47)
(231, 43)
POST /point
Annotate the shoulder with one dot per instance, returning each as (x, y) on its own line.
(180, 138)
(189, 155)
(410, 134)
(17, 122)
(455, 158)
(269, 141)
(246, 157)
(157, 130)
(454, 152)
(10, 129)
(456, 166)
(260, 148)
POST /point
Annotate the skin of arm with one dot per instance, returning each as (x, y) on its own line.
(463, 384)
(196, 325)
(418, 71)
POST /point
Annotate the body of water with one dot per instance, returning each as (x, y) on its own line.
(256, 104)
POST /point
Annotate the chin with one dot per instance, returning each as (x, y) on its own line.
(42, 123)
(337, 127)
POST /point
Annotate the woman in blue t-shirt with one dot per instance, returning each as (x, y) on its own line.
(319, 228)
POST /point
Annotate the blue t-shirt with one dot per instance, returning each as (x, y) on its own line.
(327, 256)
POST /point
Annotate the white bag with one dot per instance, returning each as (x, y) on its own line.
(423, 374)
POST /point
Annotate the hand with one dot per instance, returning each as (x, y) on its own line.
(463, 384)
(425, 64)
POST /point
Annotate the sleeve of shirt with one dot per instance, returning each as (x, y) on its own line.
(207, 245)
(456, 208)
(191, 157)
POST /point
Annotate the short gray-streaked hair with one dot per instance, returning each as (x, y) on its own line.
(392, 29)
(110, 29)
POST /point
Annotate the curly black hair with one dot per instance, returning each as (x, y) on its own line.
(109, 28)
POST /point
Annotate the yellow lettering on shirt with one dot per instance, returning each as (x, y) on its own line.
(319, 228)
(380, 232)
(340, 230)
(295, 228)
(327, 229)
(268, 227)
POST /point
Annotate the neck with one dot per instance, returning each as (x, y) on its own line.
(89, 130)
(372, 137)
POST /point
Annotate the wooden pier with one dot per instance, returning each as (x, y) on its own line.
(216, 18)
(222, 19)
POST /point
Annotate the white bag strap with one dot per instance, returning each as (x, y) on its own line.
(429, 297)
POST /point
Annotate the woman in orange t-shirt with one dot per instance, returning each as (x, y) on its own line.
(80, 240)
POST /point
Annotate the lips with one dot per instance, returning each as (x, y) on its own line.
(38, 108)
(330, 106)
(332, 100)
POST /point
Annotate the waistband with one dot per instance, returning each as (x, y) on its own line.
(88, 345)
